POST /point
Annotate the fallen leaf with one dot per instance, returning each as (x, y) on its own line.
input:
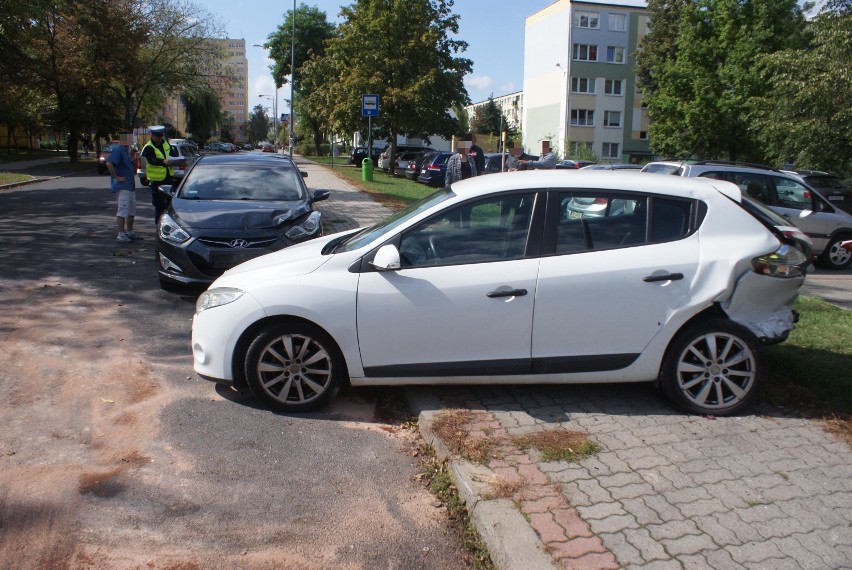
(107, 401)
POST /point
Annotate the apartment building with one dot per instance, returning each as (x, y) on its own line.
(233, 89)
(580, 89)
(511, 105)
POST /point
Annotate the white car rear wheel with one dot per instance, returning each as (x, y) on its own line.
(713, 368)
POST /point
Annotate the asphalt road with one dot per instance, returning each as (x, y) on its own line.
(113, 454)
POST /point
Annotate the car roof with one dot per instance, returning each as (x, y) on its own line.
(614, 180)
(243, 159)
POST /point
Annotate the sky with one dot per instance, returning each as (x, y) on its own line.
(493, 29)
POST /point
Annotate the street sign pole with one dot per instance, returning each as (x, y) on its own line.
(370, 109)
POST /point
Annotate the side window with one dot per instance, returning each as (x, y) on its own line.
(593, 221)
(792, 194)
(753, 185)
(669, 219)
(495, 229)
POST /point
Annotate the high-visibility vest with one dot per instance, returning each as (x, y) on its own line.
(156, 173)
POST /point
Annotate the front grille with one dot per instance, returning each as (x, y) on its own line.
(238, 243)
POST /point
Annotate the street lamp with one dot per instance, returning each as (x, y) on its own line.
(292, 77)
(274, 114)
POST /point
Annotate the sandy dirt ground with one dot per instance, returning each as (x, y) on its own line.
(90, 477)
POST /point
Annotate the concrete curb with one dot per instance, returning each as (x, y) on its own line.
(12, 185)
(511, 541)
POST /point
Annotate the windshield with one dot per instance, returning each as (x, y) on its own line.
(762, 213)
(242, 182)
(368, 235)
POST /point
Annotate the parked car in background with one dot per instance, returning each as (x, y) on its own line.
(493, 162)
(491, 281)
(267, 147)
(402, 160)
(573, 164)
(359, 153)
(401, 149)
(788, 195)
(830, 186)
(412, 171)
(181, 150)
(612, 166)
(433, 170)
(104, 155)
(232, 208)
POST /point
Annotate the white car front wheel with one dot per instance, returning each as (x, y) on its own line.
(294, 367)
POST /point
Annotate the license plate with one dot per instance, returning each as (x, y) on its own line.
(836, 198)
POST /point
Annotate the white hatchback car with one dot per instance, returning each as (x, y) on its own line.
(498, 280)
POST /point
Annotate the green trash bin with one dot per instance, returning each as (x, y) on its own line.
(367, 170)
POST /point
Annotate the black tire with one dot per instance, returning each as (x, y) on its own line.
(834, 256)
(277, 371)
(713, 368)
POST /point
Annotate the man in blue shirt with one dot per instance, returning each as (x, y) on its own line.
(121, 171)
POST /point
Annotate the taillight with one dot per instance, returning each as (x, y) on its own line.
(786, 261)
(433, 168)
(601, 201)
(807, 195)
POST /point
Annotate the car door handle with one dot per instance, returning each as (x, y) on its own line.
(663, 277)
(509, 293)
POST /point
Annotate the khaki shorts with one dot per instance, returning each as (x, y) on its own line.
(126, 203)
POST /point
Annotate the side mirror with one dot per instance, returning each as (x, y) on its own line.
(321, 195)
(167, 189)
(387, 258)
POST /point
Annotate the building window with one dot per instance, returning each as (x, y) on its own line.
(610, 150)
(583, 19)
(612, 118)
(643, 135)
(583, 117)
(584, 52)
(582, 85)
(618, 22)
(613, 87)
(614, 54)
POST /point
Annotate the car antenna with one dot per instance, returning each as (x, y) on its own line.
(691, 152)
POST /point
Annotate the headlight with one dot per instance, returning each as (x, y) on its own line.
(171, 231)
(308, 227)
(217, 297)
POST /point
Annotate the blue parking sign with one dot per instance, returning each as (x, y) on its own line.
(370, 105)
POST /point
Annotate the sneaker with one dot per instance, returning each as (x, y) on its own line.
(123, 238)
(131, 234)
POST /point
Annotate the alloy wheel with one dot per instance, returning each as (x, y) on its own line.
(716, 371)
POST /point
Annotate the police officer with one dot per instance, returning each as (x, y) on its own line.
(156, 155)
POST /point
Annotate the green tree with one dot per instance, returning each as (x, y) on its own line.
(258, 125)
(696, 67)
(401, 50)
(203, 112)
(806, 116)
(312, 31)
(487, 119)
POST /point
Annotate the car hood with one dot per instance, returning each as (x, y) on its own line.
(293, 261)
(237, 214)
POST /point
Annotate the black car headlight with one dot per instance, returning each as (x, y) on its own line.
(171, 231)
(306, 228)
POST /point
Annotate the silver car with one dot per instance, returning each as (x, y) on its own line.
(786, 194)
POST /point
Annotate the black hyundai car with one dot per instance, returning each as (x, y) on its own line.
(231, 208)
